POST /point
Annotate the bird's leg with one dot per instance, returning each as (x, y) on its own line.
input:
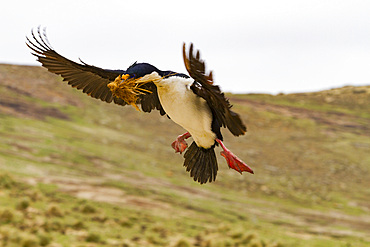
(180, 144)
(233, 161)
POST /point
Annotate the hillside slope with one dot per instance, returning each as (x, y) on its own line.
(75, 171)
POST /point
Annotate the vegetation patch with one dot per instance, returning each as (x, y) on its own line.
(105, 175)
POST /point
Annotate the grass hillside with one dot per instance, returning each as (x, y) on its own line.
(75, 171)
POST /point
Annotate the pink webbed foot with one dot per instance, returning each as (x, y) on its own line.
(233, 161)
(180, 144)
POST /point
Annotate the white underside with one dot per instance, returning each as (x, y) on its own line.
(185, 108)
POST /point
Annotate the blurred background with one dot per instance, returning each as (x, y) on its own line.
(75, 171)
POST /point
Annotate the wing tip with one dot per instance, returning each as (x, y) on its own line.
(195, 65)
(39, 42)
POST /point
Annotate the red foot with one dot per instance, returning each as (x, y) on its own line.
(233, 161)
(180, 144)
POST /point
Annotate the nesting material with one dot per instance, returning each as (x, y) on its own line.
(128, 89)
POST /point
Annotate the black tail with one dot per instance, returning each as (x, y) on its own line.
(201, 163)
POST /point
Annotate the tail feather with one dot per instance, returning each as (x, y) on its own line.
(201, 163)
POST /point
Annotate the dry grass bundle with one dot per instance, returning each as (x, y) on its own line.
(128, 89)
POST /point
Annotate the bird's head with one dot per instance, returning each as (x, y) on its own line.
(138, 70)
(130, 85)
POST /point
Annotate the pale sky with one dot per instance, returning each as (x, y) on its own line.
(254, 46)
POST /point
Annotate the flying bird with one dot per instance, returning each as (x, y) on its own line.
(191, 101)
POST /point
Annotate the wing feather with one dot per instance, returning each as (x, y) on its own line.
(88, 78)
(203, 87)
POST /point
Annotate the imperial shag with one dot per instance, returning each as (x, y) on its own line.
(192, 102)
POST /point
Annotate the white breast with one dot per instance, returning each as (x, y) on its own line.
(186, 109)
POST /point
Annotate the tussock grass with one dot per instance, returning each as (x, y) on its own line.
(84, 167)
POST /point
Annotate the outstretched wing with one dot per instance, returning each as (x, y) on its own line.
(203, 87)
(90, 79)
(196, 67)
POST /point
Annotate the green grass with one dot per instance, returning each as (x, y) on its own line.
(96, 174)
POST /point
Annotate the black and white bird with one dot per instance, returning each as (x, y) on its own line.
(192, 102)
